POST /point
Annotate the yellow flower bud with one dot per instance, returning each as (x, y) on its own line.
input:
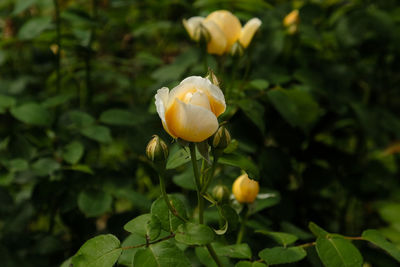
(245, 189)
(221, 193)
(292, 21)
(221, 138)
(157, 150)
(212, 77)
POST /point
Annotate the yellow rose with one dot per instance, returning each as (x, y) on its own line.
(245, 189)
(291, 21)
(224, 30)
(190, 110)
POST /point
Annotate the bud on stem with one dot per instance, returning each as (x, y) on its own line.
(157, 150)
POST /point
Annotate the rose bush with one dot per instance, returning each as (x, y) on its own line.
(190, 110)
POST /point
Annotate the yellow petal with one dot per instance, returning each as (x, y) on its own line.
(291, 18)
(161, 103)
(229, 24)
(217, 42)
(190, 122)
(248, 31)
(192, 26)
(245, 189)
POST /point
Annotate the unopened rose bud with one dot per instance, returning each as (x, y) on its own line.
(292, 21)
(221, 138)
(157, 150)
(212, 77)
(221, 193)
(237, 49)
(245, 189)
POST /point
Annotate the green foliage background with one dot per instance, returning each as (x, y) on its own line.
(317, 112)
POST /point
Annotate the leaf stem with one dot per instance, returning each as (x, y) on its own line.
(214, 255)
(243, 225)
(150, 243)
(200, 201)
(166, 198)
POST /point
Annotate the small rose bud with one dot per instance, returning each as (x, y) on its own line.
(292, 21)
(245, 189)
(237, 49)
(221, 193)
(221, 138)
(212, 77)
(157, 150)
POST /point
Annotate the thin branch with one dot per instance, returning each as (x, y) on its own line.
(150, 243)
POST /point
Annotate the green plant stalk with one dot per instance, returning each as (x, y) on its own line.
(211, 174)
(166, 198)
(200, 200)
(242, 229)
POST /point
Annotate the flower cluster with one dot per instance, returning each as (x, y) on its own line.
(222, 30)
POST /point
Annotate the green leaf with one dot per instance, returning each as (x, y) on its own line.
(376, 238)
(338, 252)
(6, 102)
(282, 238)
(17, 164)
(128, 255)
(21, 5)
(179, 157)
(73, 152)
(230, 216)
(194, 234)
(296, 106)
(316, 230)
(34, 27)
(94, 203)
(80, 168)
(205, 258)
(254, 111)
(100, 251)
(250, 264)
(144, 225)
(265, 199)
(161, 254)
(45, 166)
(185, 179)
(281, 255)
(259, 84)
(203, 149)
(97, 133)
(169, 222)
(237, 251)
(244, 163)
(57, 100)
(78, 119)
(121, 117)
(32, 113)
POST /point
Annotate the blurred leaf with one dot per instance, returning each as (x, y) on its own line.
(194, 234)
(250, 264)
(238, 160)
(204, 256)
(100, 251)
(57, 100)
(97, 133)
(376, 238)
(94, 203)
(6, 102)
(73, 152)
(80, 168)
(121, 117)
(17, 164)
(337, 252)
(32, 113)
(179, 157)
(254, 111)
(45, 166)
(77, 119)
(237, 251)
(296, 106)
(34, 27)
(281, 255)
(265, 199)
(169, 222)
(21, 5)
(259, 84)
(161, 254)
(185, 179)
(144, 225)
(282, 238)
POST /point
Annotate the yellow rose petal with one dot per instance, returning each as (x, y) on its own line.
(217, 43)
(248, 31)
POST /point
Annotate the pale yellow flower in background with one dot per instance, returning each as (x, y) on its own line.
(224, 30)
(190, 110)
(245, 189)
(291, 21)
